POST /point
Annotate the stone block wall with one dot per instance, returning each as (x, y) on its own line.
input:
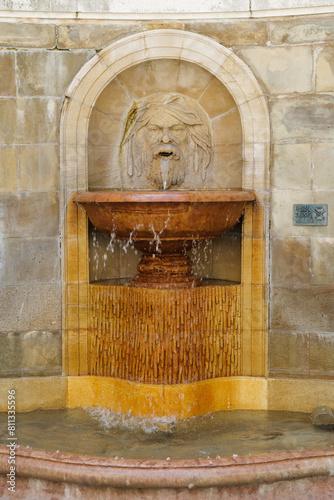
(293, 60)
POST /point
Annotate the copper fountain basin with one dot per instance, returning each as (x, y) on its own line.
(164, 225)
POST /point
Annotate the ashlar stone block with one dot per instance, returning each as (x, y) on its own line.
(92, 36)
(39, 260)
(8, 128)
(323, 171)
(304, 309)
(28, 35)
(303, 117)
(10, 359)
(7, 67)
(322, 355)
(8, 169)
(231, 33)
(48, 73)
(9, 259)
(38, 167)
(302, 30)
(289, 352)
(324, 72)
(291, 166)
(322, 261)
(281, 70)
(32, 215)
(41, 353)
(290, 261)
(33, 306)
(282, 213)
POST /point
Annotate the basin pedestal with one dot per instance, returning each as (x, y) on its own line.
(165, 271)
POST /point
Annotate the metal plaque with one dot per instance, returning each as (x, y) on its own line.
(310, 215)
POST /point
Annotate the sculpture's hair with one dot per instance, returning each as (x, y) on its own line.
(178, 106)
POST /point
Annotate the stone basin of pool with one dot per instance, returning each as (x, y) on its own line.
(95, 453)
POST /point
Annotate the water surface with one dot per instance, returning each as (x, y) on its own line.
(104, 433)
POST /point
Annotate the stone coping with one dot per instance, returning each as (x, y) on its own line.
(198, 398)
(178, 474)
(150, 9)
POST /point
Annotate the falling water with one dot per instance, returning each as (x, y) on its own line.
(164, 170)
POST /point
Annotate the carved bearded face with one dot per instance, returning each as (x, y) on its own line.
(167, 137)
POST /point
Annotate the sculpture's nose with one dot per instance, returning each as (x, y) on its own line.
(165, 136)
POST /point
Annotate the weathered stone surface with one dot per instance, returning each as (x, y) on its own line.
(291, 166)
(290, 261)
(324, 71)
(303, 117)
(184, 7)
(7, 67)
(41, 353)
(283, 69)
(32, 307)
(39, 260)
(322, 261)
(38, 167)
(114, 101)
(32, 215)
(8, 128)
(30, 354)
(39, 5)
(299, 30)
(323, 161)
(27, 35)
(48, 73)
(282, 213)
(227, 128)
(8, 169)
(216, 100)
(92, 36)
(301, 308)
(10, 359)
(227, 171)
(322, 354)
(230, 33)
(9, 261)
(29, 120)
(289, 351)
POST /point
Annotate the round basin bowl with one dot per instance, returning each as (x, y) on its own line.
(163, 225)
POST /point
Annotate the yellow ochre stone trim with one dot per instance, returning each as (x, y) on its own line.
(179, 400)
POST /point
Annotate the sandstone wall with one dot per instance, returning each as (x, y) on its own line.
(293, 59)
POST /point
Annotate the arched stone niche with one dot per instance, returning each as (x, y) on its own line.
(92, 120)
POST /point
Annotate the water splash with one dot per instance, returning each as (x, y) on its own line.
(108, 419)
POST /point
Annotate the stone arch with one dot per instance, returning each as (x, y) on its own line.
(79, 101)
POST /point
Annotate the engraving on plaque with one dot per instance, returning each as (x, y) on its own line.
(310, 215)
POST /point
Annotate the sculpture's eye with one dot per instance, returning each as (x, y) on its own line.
(178, 129)
(154, 130)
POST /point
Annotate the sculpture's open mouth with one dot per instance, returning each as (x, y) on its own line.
(165, 153)
(168, 151)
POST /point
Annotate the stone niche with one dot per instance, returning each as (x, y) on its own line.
(219, 259)
(96, 110)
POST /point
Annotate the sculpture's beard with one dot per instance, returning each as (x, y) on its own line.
(164, 165)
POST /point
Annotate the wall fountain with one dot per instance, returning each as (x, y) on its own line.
(169, 330)
(162, 163)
